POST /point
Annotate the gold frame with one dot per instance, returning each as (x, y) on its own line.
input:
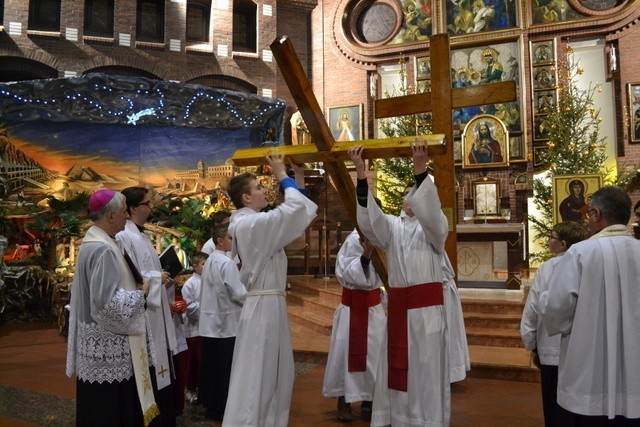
(633, 92)
(562, 193)
(497, 132)
(333, 115)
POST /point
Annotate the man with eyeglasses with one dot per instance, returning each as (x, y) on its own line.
(593, 301)
(168, 339)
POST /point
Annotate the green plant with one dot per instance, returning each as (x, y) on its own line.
(574, 147)
(63, 219)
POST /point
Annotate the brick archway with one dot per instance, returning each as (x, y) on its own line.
(15, 68)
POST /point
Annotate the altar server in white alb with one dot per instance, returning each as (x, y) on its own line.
(359, 323)
(108, 342)
(145, 258)
(412, 385)
(594, 302)
(545, 348)
(263, 370)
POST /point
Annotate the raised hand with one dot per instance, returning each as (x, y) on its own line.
(420, 155)
(276, 162)
(355, 154)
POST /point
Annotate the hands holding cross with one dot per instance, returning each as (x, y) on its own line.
(419, 150)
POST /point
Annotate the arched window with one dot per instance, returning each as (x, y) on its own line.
(98, 18)
(44, 15)
(150, 21)
(245, 26)
(198, 18)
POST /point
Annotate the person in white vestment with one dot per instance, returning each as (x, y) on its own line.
(593, 301)
(545, 348)
(359, 323)
(263, 370)
(221, 298)
(191, 291)
(161, 295)
(412, 386)
(108, 346)
(218, 217)
(459, 361)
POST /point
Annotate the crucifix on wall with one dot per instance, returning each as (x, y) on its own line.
(333, 154)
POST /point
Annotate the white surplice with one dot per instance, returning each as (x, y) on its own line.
(263, 369)
(532, 330)
(221, 297)
(145, 258)
(414, 248)
(594, 302)
(338, 381)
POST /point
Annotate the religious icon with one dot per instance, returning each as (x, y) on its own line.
(544, 101)
(485, 143)
(540, 132)
(571, 196)
(543, 52)
(346, 122)
(477, 16)
(544, 78)
(634, 111)
(423, 68)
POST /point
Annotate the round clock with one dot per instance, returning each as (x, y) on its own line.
(376, 22)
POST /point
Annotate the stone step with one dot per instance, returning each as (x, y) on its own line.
(493, 337)
(502, 363)
(312, 303)
(491, 306)
(491, 320)
(316, 322)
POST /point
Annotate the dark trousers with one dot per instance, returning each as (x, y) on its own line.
(570, 419)
(194, 356)
(108, 404)
(549, 383)
(215, 373)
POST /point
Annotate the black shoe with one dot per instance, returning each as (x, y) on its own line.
(344, 410)
(365, 409)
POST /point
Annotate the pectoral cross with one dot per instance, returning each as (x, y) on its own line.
(333, 154)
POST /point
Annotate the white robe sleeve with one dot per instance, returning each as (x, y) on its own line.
(191, 297)
(349, 270)
(374, 224)
(231, 278)
(425, 203)
(558, 304)
(529, 322)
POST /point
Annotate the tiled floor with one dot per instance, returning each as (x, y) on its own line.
(32, 364)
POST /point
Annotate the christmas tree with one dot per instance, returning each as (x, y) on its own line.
(574, 146)
(395, 174)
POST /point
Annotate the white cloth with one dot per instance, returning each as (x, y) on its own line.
(593, 301)
(107, 340)
(208, 247)
(191, 295)
(145, 258)
(338, 381)
(532, 330)
(221, 297)
(414, 248)
(263, 370)
(459, 361)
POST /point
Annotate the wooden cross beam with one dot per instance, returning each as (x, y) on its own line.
(333, 154)
(446, 99)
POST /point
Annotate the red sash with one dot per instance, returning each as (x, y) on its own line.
(359, 302)
(401, 300)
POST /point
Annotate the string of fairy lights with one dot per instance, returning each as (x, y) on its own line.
(132, 115)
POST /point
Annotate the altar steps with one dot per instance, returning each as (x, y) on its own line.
(492, 326)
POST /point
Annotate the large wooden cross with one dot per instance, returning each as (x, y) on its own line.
(333, 154)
